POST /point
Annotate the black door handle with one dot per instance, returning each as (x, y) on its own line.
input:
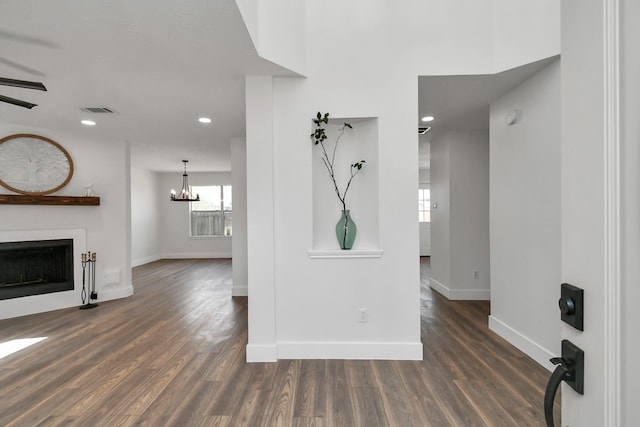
(570, 369)
(559, 374)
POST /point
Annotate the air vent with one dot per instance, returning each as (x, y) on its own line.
(98, 110)
(423, 130)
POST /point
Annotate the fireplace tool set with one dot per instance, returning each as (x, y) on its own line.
(89, 285)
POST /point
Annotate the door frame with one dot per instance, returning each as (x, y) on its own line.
(612, 266)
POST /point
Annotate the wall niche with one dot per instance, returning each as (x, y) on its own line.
(356, 144)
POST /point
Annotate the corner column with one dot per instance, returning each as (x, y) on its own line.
(261, 346)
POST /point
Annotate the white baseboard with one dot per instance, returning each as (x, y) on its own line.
(334, 350)
(239, 291)
(114, 292)
(350, 350)
(262, 353)
(460, 294)
(179, 255)
(187, 255)
(522, 343)
(145, 260)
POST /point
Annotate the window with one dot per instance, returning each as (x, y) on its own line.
(424, 205)
(211, 216)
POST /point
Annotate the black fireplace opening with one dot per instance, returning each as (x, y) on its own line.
(35, 267)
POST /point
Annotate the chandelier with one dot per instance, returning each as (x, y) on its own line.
(185, 194)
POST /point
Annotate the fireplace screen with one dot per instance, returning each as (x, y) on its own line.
(35, 267)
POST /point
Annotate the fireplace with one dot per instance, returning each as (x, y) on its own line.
(36, 267)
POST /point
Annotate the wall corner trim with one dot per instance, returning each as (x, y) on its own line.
(262, 353)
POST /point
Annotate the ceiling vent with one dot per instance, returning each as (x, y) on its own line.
(423, 130)
(98, 110)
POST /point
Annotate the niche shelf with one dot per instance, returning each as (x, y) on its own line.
(359, 143)
(373, 253)
(22, 199)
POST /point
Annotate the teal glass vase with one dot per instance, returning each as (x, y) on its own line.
(345, 230)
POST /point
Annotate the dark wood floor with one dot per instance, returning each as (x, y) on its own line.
(174, 354)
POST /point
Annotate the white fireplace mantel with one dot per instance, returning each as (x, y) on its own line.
(23, 306)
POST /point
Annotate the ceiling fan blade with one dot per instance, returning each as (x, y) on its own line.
(22, 84)
(17, 102)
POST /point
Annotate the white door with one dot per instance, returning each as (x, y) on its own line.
(600, 205)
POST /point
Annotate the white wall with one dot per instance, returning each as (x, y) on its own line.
(630, 135)
(277, 30)
(239, 239)
(440, 214)
(320, 298)
(174, 219)
(460, 223)
(145, 218)
(524, 30)
(105, 164)
(362, 61)
(525, 215)
(469, 204)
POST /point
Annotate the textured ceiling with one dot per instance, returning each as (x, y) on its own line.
(159, 64)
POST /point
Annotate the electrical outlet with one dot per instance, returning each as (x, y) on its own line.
(364, 316)
(476, 274)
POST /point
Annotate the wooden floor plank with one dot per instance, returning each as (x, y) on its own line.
(174, 354)
(360, 373)
(309, 422)
(340, 405)
(429, 413)
(37, 413)
(400, 408)
(54, 421)
(247, 410)
(310, 399)
(486, 406)
(277, 410)
(193, 405)
(369, 407)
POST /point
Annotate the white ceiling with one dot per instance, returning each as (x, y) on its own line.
(159, 64)
(462, 102)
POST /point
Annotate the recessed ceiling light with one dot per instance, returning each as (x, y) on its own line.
(88, 122)
(204, 120)
(428, 118)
